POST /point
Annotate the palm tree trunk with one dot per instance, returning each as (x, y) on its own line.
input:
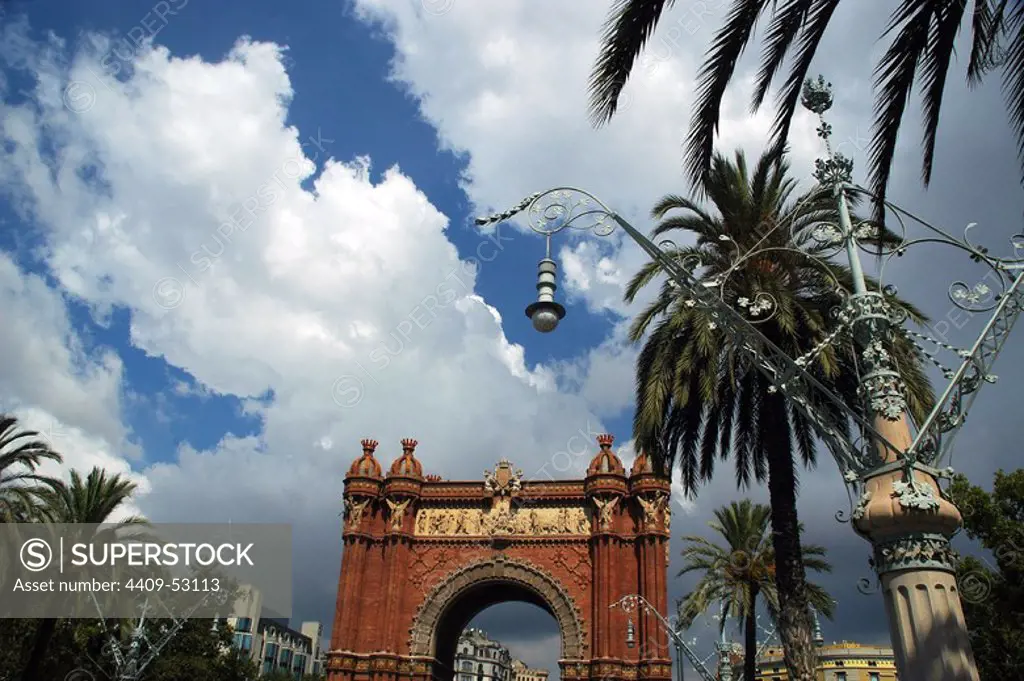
(750, 637)
(795, 625)
(44, 634)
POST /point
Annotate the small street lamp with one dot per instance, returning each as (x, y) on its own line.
(893, 473)
(545, 313)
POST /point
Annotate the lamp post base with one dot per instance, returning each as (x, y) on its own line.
(927, 626)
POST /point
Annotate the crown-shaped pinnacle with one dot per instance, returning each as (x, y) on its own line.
(369, 445)
(408, 444)
(817, 95)
(605, 440)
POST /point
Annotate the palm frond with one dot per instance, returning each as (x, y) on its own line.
(815, 22)
(894, 81)
(934, 68)
(785, 25)
(629, 26)
(1013, 75)
(714, 76)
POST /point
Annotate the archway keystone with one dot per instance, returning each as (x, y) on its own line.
(422, 556)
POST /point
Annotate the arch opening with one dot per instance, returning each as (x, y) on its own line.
(473, 601)
(453, 604)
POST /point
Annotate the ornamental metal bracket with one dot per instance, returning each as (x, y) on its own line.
(951, 409)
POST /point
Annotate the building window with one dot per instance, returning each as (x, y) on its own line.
(840, 676)
(467, 666)
(243, 642)
(873, 676)
(243, 624)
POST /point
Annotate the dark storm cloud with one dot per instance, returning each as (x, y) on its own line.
(506, 622)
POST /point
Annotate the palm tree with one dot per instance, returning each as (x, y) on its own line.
(920, 52)
(698, 396)
(741, 571)
(21, 453)
(90, 501)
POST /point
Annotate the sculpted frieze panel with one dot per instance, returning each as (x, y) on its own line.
(501, 519)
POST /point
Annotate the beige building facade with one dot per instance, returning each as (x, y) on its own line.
(520, 672)
(844, 661)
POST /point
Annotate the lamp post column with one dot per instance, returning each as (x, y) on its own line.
(902, 511)
(914, 562)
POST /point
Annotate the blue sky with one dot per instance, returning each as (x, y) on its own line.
(233, 376)
(344, 107)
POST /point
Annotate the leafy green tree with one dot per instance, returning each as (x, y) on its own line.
(993, 596)
(922, 46)
(741, 571)
(699, 397)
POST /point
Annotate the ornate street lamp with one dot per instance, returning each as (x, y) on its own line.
(901, 509)
(130, 659)
(635, 602)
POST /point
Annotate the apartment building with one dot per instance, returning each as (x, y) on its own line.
(270, 641)
(478, 658)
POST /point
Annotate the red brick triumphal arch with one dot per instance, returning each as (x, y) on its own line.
(422, 556)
